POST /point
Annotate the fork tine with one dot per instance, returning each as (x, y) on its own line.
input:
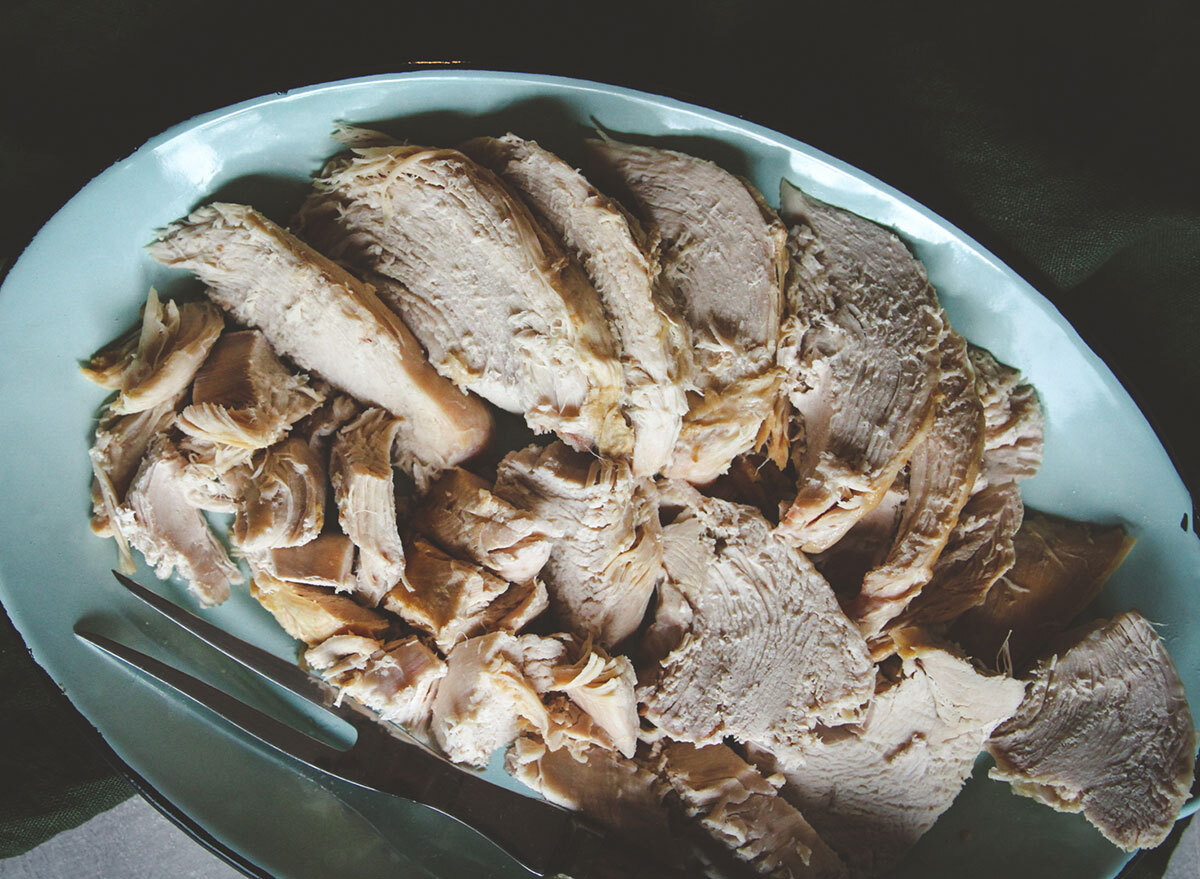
(285, 674)
(263, 727)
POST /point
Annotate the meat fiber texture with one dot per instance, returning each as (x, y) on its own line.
(311, 613)
(743, 813)
(494, 689)
(1105, 730)
(244, 397)
(453, 600)
(601, 573)
(979, 552)
(724, 258)
(618, 793)
(752, 642)
(941, 474)
(327, 321)
(872, 791)
(1015, 424)
(158, 521)
(116, 454)
(326, 560)
(981, 548)
(863, 360)
(159, 361)
(360, 468)
(396, 680)
(460, 514)
(621, 263)
(1059, 567)
(280, 498)
(499, 307)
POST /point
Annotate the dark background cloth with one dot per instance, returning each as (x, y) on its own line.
(1060, 135)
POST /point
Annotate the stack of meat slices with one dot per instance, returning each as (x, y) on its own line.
(766, 587)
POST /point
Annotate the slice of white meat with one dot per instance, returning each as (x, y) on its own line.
(615, 792)
(327, 321)
(159, 363)
(1059, 566)
(485, 701)
(311, 613)
(743, 813)
(243, 396)
(360, 468)
(397, 680)
(453, 600)
(280, 498)
(724, 258)
(326, 560)
(1104, 730)
(117, 450)
(873, 790)
(158, 521)
(602, 686)
(460, 514)
(497, 304)
(1015, 425)
(757, 647)
(601, 573)
(980, 551)
(863, 367)
(500, 685)
(941, 474)
(212, 477)
(866, 545)
(654, 343)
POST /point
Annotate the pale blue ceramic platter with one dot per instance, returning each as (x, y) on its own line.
(85, 274)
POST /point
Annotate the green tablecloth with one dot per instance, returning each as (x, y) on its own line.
(1058, 135)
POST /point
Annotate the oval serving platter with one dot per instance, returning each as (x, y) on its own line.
(84, 276)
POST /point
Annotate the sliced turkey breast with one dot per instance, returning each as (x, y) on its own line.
(454, 600)
(866, 545)
(397, 680)
(158, 521)
(116, 453)
(244, 397)
(214, 472)
(863, 367)
(618, 793)
(743, 812)
(979, 552)
(1013, 446)
(601, 685)
(327, 321)
(499, 685)
(312, 614)
(1059, 566)
(499, 307)
(980, 548)
(326, 560)
(460, 514)
(159, 362)
(724, 258)
(360, 468)
(872, 791)
(753, 643)
(280, 498)
(653, 342)
(485, 700)
(601, 573)
(941, 474)
(1105, 730)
